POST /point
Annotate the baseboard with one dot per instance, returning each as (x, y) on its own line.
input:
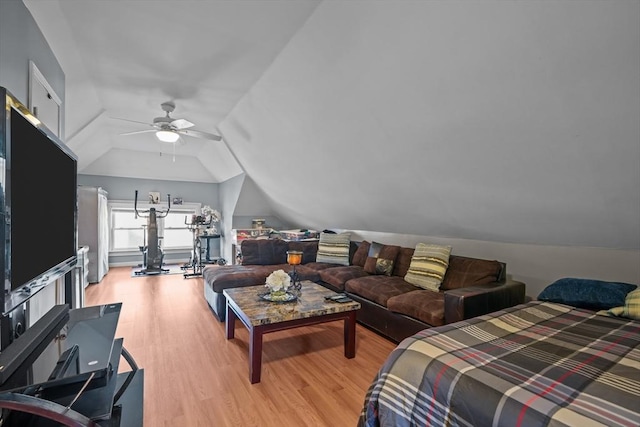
(133, 263)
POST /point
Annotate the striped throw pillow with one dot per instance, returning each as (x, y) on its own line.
(630, 309)
(334, 248)
(428, 265)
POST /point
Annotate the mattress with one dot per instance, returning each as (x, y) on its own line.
(534, 364)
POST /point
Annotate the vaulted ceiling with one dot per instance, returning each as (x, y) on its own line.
(122, 59)
(498, 121)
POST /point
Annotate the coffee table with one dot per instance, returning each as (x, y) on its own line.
(261, 317)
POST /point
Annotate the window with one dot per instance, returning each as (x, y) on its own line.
(176, 234)
(128, 233)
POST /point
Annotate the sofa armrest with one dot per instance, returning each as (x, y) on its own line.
(465, 303)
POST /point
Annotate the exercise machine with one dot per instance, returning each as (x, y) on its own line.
(143, 248)
(195, 263)
(152, 255)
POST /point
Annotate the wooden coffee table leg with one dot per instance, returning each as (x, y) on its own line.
(255, 354)
(231, 323)
(350, 336)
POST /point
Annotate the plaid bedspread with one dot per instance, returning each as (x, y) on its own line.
(535, 364)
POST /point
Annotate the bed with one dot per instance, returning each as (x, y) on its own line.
(535, 364)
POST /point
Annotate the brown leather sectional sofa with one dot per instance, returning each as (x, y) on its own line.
(390, 305)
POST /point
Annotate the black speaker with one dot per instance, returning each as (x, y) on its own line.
(18, 322)
(12, 326)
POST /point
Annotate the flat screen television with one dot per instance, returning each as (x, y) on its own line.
(39, 192)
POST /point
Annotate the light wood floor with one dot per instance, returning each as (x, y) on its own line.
(195, 377)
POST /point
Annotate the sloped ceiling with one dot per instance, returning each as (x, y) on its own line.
(122, 59)
(497, 121)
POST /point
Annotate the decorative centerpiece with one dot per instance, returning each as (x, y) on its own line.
(278, 283)
(294, 258)
(211, 217)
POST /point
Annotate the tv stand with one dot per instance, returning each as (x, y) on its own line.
(65, 369)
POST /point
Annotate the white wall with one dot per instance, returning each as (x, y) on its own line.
(253, 203)
(20, 42)
(242, 201)
(229, 193)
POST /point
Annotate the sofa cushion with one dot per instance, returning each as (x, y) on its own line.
(338, 276)
(264, 252)
(334, 248)
(464, 272)
(305, 273)
(378, 288)
(360, 255)
(424, 305)
(587, 293)
(233, 276)
(428, 265)
(381, 258)
(309, 250)
(319, 266)
(403, 261)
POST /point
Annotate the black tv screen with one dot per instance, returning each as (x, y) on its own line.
(41, 201)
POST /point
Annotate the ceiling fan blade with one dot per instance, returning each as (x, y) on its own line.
(181, 124)
(199, 134)
(138, 131)
(133, 121)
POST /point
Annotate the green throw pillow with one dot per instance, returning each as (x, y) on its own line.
(334, 248)
(429, 263)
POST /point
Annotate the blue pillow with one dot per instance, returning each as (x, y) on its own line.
(587, 293)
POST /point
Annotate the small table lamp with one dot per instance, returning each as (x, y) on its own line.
(295, 258)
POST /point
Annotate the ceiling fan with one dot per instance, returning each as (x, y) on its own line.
(168, 129)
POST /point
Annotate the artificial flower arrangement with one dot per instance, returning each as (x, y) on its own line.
(211, 217)
(278, 282)
(210, 213)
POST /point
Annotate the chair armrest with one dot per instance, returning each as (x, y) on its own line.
(465, 303)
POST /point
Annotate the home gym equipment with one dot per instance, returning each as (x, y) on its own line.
(195, 263)
(152, 256)
(143, 248)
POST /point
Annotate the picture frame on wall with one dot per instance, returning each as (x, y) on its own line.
(154, 197)
(177, 200)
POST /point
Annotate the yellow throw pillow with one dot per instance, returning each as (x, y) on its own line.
(428, 265)
(630, 309)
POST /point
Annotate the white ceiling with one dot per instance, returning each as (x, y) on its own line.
(491, 121)
(122, 59)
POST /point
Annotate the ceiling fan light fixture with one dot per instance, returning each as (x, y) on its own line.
(168, 129)
(167, 136)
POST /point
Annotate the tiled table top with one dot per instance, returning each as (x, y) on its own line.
(310, 304)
